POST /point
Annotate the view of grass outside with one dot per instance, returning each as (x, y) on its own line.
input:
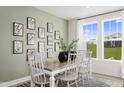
(93, 49)
(112, 53)
(112, 50)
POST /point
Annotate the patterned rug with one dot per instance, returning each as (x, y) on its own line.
(94, 82)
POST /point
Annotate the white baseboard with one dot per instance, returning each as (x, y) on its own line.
(14, 82)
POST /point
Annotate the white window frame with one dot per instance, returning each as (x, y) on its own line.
(110, 19)
(88, 23)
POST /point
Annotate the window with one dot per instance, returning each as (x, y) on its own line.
(112, 39)
(90, 37)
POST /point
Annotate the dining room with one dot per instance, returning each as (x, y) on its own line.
(61, 46)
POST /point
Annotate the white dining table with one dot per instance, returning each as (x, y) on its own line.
(54, 68)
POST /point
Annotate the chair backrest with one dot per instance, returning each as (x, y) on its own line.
(72, 65)
(84, 60)
(37, 68)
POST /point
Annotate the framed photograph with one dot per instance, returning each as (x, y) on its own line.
(50, 40)
(56, 46)
(31, 23)
(41, 32)
(29, 52)
(30, 38)
(17, 47)
(49, 52)
(57, 35)
(49, 27)
(41, 46)
(18, 29)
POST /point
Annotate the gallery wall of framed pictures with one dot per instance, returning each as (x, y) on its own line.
(38, 38)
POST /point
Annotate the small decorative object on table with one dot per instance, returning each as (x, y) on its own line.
(63, 56)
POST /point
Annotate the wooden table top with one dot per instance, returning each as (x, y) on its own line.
(52, 66)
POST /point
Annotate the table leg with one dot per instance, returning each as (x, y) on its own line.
(52, 81)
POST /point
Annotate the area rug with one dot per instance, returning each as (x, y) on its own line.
(93, 82)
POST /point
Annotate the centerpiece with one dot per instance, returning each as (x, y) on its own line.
(66, 48)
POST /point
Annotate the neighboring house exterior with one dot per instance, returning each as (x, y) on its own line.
(113, 36)
(92, 41)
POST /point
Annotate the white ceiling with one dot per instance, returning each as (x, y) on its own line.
(72, 12)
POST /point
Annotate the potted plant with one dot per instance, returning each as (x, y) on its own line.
(66, 48)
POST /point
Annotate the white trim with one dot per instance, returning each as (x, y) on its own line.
(14, 82)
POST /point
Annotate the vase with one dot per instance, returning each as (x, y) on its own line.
(63, 56)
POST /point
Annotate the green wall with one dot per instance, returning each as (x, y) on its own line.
(14, 66)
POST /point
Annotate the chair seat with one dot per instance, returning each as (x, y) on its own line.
(41, 80)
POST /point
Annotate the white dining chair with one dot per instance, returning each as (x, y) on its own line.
(71, 73)
(84, 69)
(38, 76)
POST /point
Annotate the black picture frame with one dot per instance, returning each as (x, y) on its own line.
(31, 23)
(17, 47)
(29, 52)
(49, 40)
(49, 27)
(41, 32)
(49, 52)
(56, 47)
(41, 46)
(18, 29)
(56, 35)
(30, 39)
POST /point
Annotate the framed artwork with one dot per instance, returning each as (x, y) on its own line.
(57, 35)
(18, 29)
(30, 38)
(41, 46)
(49, 27)
(31, 23)
(50, 40)
(29, 52)
(49, 52)
(41, 32)
(56, 46)
(17, 47)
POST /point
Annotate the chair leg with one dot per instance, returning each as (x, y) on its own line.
(32, 84)
(57, 82)
(76, 81)
(68, 84)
